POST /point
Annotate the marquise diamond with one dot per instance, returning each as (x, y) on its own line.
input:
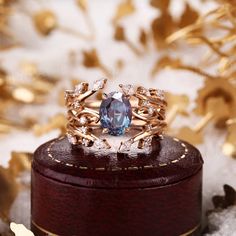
(99, 84)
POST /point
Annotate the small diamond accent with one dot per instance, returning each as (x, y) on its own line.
(83, 120)
(148, 141)
(85, 142)
(79, 88)
(151, 110)
(125, 146)
(69, 93)
(99, 143)
(83, 129)
(161, 94)
(148, 127)
(145, 102)
(76, 104)
(99, 84)
(71, 139)
(127, 89)
(142, 90)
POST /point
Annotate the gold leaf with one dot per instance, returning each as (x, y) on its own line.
(220, 116)
(229, 147)
(56, 122)
(119, 33)
(143, 38)
(29, 68)
(188, 17)
(162, 27)
(120, 64)
(165, 62)
(20, 161)
(177, 104)
(61, 97)
(45, 22)
(3, 77)
(20, 230)
(83, 5)
(8, 192)
(9, 185)
(181, 101)
(23, 94)
(125, 8)
(4, 128)
(194, 135)
(190, 135)
(90, 58)
(215, 88)
(162, 5)
(43, 84)
(6, 2)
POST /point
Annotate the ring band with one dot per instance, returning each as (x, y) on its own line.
(118, 113)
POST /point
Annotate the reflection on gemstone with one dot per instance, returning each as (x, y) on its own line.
(115, 113)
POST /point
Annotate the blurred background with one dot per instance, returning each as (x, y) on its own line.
(184, 47)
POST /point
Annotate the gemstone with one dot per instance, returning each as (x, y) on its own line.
(115, 113)
(148, 141)
(71, 139)
(85, 142)
(83, 129)
(142, 90)
(78, 88)
(127, 89)
(76, 104)
(83, 120)
(151, 110)
(100, 144)
(125, 146)
(144, 102)
(161, 94)
(99, 84)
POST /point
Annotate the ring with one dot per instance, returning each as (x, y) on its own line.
(132, 110)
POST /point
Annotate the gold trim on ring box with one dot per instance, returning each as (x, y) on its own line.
(148, 107)
(188, 233)
(191, 231)
(42, 230)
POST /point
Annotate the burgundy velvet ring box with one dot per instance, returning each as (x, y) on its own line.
(76, 191)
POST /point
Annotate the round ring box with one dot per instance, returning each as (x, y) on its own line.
(84, 193)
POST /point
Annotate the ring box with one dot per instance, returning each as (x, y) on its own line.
(80, 192)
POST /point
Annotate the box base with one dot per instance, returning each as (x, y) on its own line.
(63, 209)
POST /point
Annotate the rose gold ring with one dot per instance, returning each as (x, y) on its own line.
(117, 114)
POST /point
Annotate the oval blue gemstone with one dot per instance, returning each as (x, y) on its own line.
(115, 113)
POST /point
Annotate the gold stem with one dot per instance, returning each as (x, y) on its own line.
(14, 124)
(133, 48)
(180, 33)
(73, 32)
(105, 70)
(89, 24)
(195, 70)
(212, 46)
(172, 114)
(203, 122)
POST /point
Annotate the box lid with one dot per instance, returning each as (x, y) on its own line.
(169, 160)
